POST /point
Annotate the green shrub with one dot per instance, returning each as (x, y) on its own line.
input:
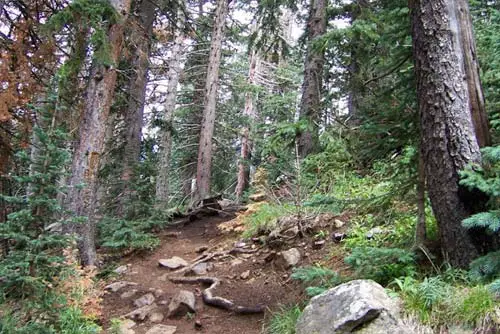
(486, 267)
(284, 320)
(264, 220)
(318, 278)
(381, 264)
(128, 234)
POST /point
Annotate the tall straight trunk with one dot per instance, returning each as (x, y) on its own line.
(140, 38)
(421, 227)
(204, 166)
(448, 139)
(310, 104)
(471, 67)
(81, 201)
(246, 144)
(162, 191)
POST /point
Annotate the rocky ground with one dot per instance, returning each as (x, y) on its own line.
(253, 278)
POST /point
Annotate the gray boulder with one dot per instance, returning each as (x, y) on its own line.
(181, 304)
(360, 306)
(174, 262)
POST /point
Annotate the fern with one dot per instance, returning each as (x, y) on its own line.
(319, 278)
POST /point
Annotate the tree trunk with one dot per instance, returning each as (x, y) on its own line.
(81, 201)
(421, 228)
(246, 144)
(471, 67)
(448, 140)
(310, 104)
(204, 167)
(140, 40)
(162, 191)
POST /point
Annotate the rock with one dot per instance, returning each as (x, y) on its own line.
(162, 329)
(142, 312)
(128, 294)
(201, 249)
(116, 286)
(202, 268)
(361, 304)
(318, 244)
(290, 258)
(258, 197)
(156, 317)
(173, 263)
(338, 223)
(240, 244)
(147, 299)
(198, 324)
(236, 262)
(338, 237)
(245, 274)
(181, 304)
(121, 270)
(374, 231)
(125, 327)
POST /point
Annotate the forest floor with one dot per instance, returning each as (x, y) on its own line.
(266, 284)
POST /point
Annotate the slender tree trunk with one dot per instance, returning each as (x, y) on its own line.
(246, 144)
(81, 200)
(204, 167)
(162, 191)
(471, 67)
(448, 139)
(310, 104)
(140, 40)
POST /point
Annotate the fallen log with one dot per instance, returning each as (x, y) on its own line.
(216, 301)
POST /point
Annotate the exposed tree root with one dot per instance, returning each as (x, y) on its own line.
(210, 299)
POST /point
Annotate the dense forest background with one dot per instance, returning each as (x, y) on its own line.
(117, 115)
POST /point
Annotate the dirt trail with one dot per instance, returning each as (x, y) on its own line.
(265, 285)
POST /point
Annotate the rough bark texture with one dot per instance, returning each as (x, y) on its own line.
(310, 104)
(204, 167)
(81, 199)
(448, 140)
(140, 45)
(421, 228)
(471, 67)
(162, 191)
(246, 144)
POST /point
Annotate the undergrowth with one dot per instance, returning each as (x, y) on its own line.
(283, 321)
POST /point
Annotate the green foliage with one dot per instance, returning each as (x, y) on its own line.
(319, 279)
(265, 218)
(486, 267)
(283, 321)
(94, 15)
(117, 233)
(438, 303)
(381, 264)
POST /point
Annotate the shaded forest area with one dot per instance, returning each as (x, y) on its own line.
(119, 116)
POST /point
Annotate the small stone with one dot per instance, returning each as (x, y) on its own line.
(202, 268)
(338, 237)
(142, 312)
(125, 327)
(163, 302)
(158, 293)
(181, 304)
(197, 324)
(121, 270)
(236, 262)
(240, 244)
(318, 244)
(374, 231)
(291, 257)
(245, 274)
(147, 299)
(307, 254)
(339, 223)
(116, 286)
(162, 329)
(173, 263)
(128, 294)
(201, 249)
(156, 317)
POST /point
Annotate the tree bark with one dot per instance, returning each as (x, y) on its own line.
(140, 42)
(448, 139)
(81, 201)
(310, 104)
(471, 67)
(421, 228)
(162, 184)
(246, 144)
(204, 166)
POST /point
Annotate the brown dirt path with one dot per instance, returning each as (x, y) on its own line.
(266, 284)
